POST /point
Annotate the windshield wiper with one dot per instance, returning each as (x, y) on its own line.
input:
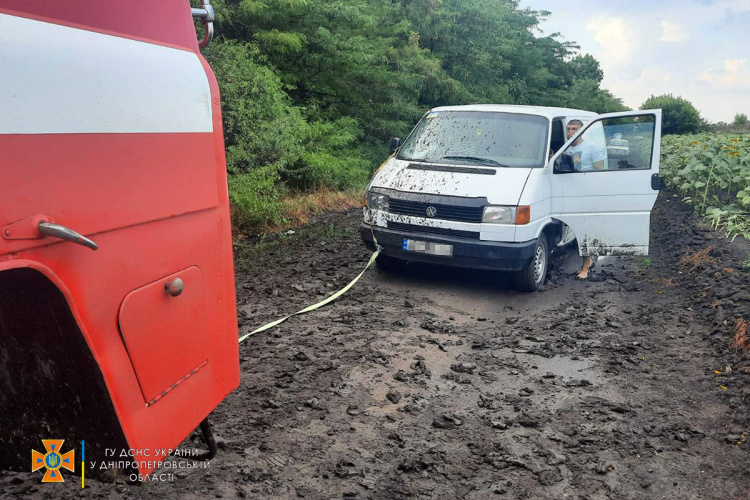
(476, 159)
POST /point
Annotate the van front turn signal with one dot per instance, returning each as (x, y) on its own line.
(523, 215)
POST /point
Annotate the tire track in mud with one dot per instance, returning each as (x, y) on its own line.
(442, 383)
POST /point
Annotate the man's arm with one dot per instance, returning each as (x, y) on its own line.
(598, 156)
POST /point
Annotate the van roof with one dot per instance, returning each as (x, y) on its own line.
(527, 110)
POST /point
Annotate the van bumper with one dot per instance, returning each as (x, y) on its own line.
(476, 254)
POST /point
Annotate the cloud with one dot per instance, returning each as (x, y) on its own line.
(736, 5)
(652, 80)
(610, 34)
(655, 76)
(735, 66)
(672, 32)
(696, 49)
(715, 11)
(736, 75)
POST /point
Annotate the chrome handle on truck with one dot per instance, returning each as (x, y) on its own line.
(206, 13)
(64, 233)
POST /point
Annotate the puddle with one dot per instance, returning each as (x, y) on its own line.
(562, 366)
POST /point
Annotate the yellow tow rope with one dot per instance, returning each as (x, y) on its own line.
(319, 304)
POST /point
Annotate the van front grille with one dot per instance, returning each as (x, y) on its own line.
(413, 228)
(439, 211)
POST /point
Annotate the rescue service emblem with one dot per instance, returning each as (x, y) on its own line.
(431, 211)
(53, 461)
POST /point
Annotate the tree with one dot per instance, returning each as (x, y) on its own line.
(587, 68)
(740, 119)
(586, 94)
(679, 116)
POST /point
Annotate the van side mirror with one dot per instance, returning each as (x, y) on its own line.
(395, 144)
(564, 164)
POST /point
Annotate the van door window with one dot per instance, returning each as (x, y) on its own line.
(615, 144)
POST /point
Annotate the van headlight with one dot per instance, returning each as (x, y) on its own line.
(507, 215)
(499, 215)
(377, 201)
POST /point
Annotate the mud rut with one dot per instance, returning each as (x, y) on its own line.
(438, 383)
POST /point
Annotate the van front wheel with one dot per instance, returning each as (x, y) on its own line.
(531, 277)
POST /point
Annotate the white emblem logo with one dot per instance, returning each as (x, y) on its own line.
(431, 211)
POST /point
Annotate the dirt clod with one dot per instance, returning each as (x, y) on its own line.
(463, 367)
(393, 396)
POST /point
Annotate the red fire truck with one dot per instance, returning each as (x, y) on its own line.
(117, 301)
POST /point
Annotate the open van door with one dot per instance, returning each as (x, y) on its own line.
(605, 182)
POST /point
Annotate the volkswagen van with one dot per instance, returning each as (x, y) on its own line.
(499, 187)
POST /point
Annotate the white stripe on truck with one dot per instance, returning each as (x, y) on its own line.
(60, 80)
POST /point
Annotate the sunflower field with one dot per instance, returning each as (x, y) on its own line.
(711, 172)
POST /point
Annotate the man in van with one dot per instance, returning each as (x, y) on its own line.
(586, 157)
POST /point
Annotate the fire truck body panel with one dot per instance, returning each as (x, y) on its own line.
(110, 125)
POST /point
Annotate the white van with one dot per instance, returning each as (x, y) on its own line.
(498, 187)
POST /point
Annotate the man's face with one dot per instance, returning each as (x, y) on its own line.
(572, 129)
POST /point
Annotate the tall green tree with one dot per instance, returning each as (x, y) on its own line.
(342, 58)
(586, 68)
(679, 116)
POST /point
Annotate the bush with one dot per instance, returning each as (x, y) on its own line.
(331, 158)
(269, 141)
(679, 116)
(261, 126)
(254, 202)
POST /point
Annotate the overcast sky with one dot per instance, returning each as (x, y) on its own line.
(697, 49)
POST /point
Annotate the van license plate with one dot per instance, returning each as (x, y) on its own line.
(428, 248)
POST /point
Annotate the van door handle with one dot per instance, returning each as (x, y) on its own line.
(67, 234)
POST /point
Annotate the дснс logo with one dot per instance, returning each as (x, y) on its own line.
(53, 460)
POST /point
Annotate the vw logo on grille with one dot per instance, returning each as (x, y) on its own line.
(431, 211)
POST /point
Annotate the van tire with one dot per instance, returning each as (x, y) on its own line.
(531, 277)
(389, 264)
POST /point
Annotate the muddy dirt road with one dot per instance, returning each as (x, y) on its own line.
(440, 383)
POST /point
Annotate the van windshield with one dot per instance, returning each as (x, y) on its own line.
(478, 138)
